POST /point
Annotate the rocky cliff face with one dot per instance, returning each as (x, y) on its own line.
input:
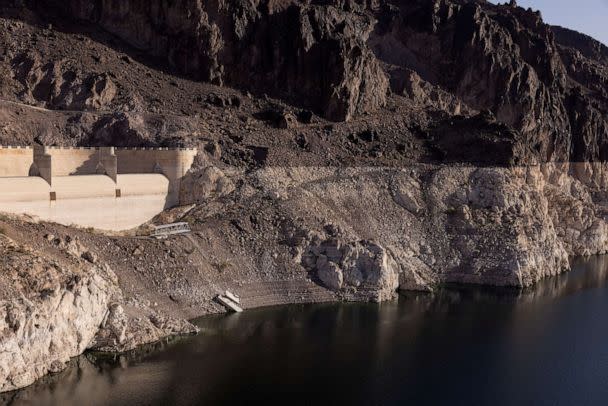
(585, 61)
(314, 55)
(587, 46)
(55, 319)
(362, 233)
(52, 310)
(56, 86)
(501, 58)
(349, 148)
(419, 62)
(425, 225)
(340, 58)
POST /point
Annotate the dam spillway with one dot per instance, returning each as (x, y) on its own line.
(105, 188)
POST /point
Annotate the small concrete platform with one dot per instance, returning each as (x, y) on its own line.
(230, 302)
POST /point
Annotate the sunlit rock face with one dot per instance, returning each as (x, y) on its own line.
(52, 310)
(428, 224)
(51, 315)
(361, 233)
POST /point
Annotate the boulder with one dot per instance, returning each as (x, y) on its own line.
(363, 269)
(207, 183)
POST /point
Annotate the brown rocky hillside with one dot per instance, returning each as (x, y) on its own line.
(386, 82)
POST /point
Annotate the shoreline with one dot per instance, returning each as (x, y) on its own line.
(545, 289)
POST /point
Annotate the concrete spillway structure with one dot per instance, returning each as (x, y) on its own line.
(106, 188)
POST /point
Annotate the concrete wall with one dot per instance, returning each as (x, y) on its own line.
(92, 187)
(63, 161)
(143, 184)
(75, 187)
(88, 200)
(73, 161)
(173, 163)
(23, 189)
(16, 161)
(103, 213)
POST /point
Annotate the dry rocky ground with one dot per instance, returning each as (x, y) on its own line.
(348, 149)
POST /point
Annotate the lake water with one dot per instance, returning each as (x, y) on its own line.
(461, 346)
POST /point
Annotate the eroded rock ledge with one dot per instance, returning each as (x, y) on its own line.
(53, 309)
(435, 224)
(292, 235)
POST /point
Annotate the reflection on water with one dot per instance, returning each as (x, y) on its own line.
(462, 345)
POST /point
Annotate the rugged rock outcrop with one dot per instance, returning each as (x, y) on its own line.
(466, 147)
(587, 103)
(51, 311)
(479, 139)
(205, 183)
(55, 86)
(444, 58)
(361, 269)
(589, 47)
(40, 334)
(120, 331)
(500, 58)
(506, 226)
(408, 83)
(313, 54)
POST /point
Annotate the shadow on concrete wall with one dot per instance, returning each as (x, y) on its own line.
(34, 171)
(90, 166)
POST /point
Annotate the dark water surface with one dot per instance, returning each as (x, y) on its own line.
(461, 346)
